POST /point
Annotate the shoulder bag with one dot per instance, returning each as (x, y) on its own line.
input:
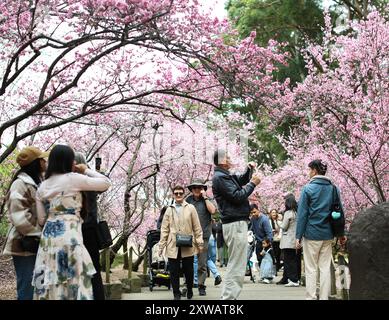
(336, 216)
(30, 243)
(182, 240)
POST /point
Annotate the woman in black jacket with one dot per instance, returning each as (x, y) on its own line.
(89, 233)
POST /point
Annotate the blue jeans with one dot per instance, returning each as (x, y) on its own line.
(24, 267)
(195, 270)
(212, 257)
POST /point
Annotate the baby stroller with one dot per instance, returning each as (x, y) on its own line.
(250, 251)
(158, 274)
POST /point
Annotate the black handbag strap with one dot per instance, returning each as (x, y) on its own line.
(335, 197)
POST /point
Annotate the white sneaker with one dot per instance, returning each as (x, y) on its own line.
(292, 284)
(266, 281)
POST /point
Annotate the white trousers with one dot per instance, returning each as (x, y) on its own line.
(235, 237)
(317, 255)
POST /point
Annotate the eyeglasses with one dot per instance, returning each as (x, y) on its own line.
(178, 193)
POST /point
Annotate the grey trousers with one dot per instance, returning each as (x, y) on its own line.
(220, 256)
(202, 264)
(235, 236)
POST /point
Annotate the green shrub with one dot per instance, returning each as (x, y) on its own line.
(3, 227)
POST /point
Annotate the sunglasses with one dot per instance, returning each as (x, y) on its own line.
(178, 193)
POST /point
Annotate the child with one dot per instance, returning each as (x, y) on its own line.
(268, 262)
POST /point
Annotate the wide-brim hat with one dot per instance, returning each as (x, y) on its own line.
(29, 154)
(197, 183)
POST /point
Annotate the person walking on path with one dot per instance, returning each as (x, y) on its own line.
(314, 208)
(220, 244)
(180, 218)
(231, 193)
(205, 209)
(292, 256)
(24, 233)
(64, 268)
(211, 260)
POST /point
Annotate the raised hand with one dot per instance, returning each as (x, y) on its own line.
(252, 165)
(80, 168)
(256, 179)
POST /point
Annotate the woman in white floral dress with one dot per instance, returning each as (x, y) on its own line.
(63, 268)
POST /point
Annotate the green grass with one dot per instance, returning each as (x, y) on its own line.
(3, 227)
(119, 260)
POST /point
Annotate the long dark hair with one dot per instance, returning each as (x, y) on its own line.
(60, 160)
(273, 224)
(290, 203)
(33, 169)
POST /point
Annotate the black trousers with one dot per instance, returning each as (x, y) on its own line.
(299, 253)
(174, 269)
(89, 234)
(258, 250)
(277, 254)
(291, 263)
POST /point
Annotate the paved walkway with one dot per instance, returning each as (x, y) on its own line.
(251, 291)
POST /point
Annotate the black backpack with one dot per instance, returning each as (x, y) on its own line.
(337, 224)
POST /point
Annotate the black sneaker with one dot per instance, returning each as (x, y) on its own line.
(189, 294)
(202, 290)
(177, 296)
(218, 280)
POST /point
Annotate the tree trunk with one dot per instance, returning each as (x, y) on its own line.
(125, 249)
(137, 262)
(114, 250)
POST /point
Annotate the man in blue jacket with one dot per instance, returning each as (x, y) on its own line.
(314, 208)
(231, 193)
(261, 227)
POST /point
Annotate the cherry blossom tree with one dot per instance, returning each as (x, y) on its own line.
(343, 107)
(145, 156)
(81, 61)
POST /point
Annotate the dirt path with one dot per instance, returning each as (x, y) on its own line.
(7, 277)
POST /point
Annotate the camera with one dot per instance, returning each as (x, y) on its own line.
(98, 163)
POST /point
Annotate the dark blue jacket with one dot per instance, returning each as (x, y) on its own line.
(231, 196)
(261, 228)
(314, 208)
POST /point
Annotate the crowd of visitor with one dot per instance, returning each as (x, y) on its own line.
(53, 236)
